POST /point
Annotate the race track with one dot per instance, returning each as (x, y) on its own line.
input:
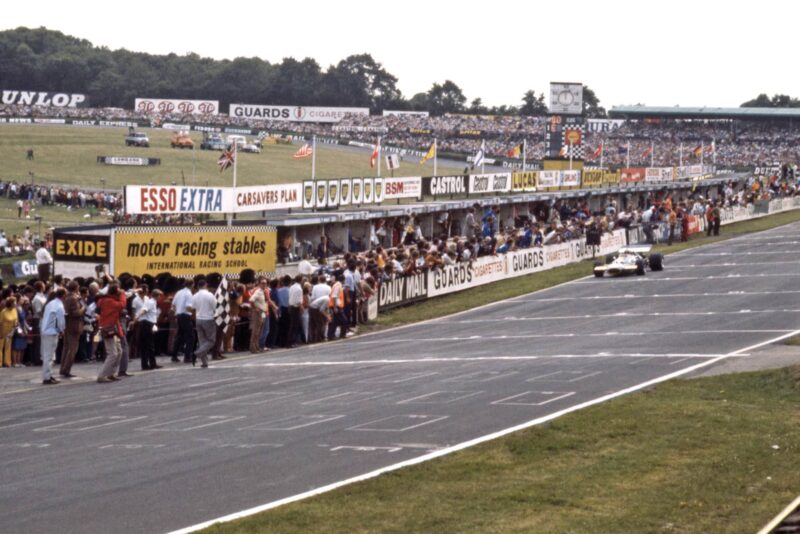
(170, 449)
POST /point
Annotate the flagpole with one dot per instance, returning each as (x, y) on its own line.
(681, 156)
(235, 161)
(483, 156)
(570, 154)
(313, 157)
(602, 152)
(702, 149)
(524, 153)
(652, 152)
(628, 155)
(435, 155)
(713, 150)
(379, 156)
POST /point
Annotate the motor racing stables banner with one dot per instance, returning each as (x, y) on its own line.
(490, 183)
(268, 197)
(162, 199)
(293, 113)
(187, 107)
(410, 187)
(188, 251)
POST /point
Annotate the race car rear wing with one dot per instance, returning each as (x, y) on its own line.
(636, 249)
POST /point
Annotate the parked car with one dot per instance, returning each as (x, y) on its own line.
(213, 142)
(137, 139)
(182, 140)
(250, 147)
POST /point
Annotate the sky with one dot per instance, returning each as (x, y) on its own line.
(686, 53)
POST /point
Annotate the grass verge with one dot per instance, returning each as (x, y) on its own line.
(715, 454)
(471, 298)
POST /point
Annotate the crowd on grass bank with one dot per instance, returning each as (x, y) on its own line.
(636, 143)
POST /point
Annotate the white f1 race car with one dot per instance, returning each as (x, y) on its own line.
(630, 260)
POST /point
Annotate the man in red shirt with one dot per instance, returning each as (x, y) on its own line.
(109, 307)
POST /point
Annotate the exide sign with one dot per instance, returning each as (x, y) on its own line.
(185, 107)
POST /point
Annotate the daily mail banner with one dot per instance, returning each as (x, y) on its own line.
(490, 183)
(410, 187)
(294, 113)
(155, 199)
(163, 105)
(268, 197)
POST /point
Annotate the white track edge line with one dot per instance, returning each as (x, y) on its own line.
(467, 444)
(780, 517)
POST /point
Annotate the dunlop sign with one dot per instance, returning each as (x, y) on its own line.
(82, 248)
(185, 251)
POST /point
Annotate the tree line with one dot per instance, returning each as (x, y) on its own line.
(46, 60)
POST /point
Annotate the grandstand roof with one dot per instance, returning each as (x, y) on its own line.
(704, 112)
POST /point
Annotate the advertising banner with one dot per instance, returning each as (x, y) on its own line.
(463, 275)
(631, 175)
(267, 197)
(308, 194)
(368, 191)
(658, 174)
(549, 178)
(358, 191)
(592, 177)
(570, 178)
(409, 187)
(188, 251)
(84, 248)
(445, 185)
(345, 191)
(333, 193)
(26, 268)
(610, 178)
(293, 113)
(187, 107)
(379, 191)
(158, 199)
(123, 160)
(490, 183)
(38, 98)
(523, 181)
(402, 290)
(321, 197)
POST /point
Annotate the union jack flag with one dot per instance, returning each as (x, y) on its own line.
(225, 160)
(303, 152)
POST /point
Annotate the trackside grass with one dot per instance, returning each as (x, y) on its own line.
(715, 454)
(448, 304)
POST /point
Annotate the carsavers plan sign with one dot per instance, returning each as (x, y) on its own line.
(188, 251)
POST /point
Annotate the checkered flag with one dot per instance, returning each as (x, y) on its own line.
(222, 313)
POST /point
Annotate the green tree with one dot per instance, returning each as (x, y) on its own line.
(533, 106)
(445, 98)
(777, 101)
(591, 104)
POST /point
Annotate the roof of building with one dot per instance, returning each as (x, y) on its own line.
(704, 112)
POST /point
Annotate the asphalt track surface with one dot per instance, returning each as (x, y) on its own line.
(169, 450)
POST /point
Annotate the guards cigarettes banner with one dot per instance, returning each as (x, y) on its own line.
(188, 251)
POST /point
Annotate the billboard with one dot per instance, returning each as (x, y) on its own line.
(187, 251)
(186, 107)
(409, 187)
(293, 113)
(159, 199)
(268, 197)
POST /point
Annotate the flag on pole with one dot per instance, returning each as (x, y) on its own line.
(303, 152)
(698, 151)
(376, 153)
(429, 155)
(222, 311)
(563, 152)
(647, 152)
(622, 149)
(515, 152)
(225, 160)
(712, 147)
(479, 157)
(597, 152)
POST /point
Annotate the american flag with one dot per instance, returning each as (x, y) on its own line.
(225, 160)
(222, 312)
(303, 152)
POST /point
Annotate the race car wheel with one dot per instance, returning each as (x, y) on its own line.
(639, 267)
(656, 262)
(598, 274)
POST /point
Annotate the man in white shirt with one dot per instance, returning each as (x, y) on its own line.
(318, 309)
(183, 307)
(295, 310)
(37, 309)
(146, 316)
(204, 305)
(44, 261)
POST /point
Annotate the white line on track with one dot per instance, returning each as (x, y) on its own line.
(618, 315)
(686, 278)
(476, 441)
(667, 296)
